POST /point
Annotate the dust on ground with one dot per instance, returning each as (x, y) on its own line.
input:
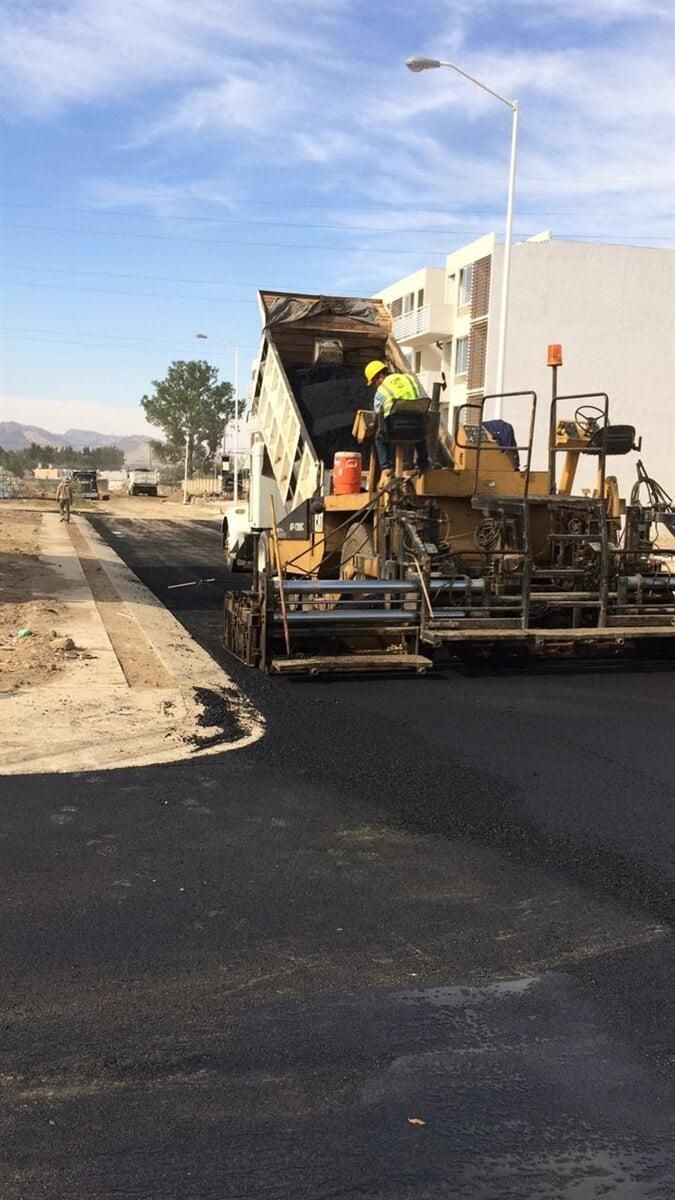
(163, 508)
(26, 587)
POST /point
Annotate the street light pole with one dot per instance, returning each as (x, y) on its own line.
(185, 473)
(204, 337)
(506, 266)
(236, 424)
(426, 64)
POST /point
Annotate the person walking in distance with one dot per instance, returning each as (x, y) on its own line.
(64, 495)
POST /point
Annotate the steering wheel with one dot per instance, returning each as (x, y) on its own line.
(589, 418)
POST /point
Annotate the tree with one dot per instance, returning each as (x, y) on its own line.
(103, 458)
(190, 402)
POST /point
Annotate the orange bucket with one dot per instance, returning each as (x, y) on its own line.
(346, 473)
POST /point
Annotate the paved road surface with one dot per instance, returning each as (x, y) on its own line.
(441, 900)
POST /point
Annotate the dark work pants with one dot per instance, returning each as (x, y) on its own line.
(385, 454)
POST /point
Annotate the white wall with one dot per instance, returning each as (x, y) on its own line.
(431, 279)
(613, 310)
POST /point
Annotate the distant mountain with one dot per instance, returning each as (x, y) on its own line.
(14, 436)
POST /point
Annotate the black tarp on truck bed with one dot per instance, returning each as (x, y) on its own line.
(329, 398)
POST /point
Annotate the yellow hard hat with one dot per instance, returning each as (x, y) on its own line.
(373, 370)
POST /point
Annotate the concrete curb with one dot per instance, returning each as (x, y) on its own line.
(98, 722)
(83, 619)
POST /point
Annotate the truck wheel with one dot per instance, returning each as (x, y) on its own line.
(231, 565)
(228, 558)
(264, 555)
(358, 540)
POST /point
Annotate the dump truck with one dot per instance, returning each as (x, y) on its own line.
(480, 554)
(85, 484)
(142, 481)
(306, 391)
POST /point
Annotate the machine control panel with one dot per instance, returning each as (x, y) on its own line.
(570, 433)
(472, 435)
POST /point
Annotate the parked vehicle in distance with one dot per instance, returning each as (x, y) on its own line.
(142, 481)
(85, 484)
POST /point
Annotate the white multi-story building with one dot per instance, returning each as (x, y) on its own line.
(611, 307)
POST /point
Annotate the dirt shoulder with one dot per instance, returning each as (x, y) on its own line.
(161, 508)
(27, 590)
(106, 677)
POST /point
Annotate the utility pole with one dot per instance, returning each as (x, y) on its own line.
(236, 424)
(185, 474)
(425, 64)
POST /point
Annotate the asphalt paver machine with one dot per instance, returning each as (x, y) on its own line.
(481, 554)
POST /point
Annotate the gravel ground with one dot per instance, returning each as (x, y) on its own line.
(26, 586)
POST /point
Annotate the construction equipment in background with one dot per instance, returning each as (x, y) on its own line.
(480, 554)
(85, 484)
(142, 481)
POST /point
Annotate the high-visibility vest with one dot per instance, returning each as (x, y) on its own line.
(398, 387)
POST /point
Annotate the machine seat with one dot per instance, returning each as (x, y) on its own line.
(620, 440)
(407, 422)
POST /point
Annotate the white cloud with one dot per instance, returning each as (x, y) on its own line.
(244, 104)
(160, 199)
(598, 12)
(594, 80)
(58, 415)
(56, 54)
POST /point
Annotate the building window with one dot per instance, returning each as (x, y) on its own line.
(461, 356)
(418, 361)
(420, 298)
(465, 280)
(409, 302)
(396, 308)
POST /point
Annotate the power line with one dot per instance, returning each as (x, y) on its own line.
(465, 211)
(471, 233)
(163, 237)
(126, 275)
(93, 345)
(59, 287)
(636, 180)
(117, 212)
(114, 336)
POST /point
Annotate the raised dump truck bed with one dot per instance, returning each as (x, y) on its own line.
(308, 385)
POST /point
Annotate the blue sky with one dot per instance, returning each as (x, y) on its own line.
(163, 160)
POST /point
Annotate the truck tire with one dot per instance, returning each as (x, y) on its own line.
(265, 555)
(230, 558)
(358, 539)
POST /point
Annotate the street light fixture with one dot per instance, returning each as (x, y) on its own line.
(426, 64)
(422, 64)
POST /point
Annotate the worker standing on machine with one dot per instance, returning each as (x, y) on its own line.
(393, 388)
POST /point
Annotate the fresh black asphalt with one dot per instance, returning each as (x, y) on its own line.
(414, 943)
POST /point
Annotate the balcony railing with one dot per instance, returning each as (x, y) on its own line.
(427, 379)
(428, 322)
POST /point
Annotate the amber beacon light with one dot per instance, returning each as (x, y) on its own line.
(555, 358)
